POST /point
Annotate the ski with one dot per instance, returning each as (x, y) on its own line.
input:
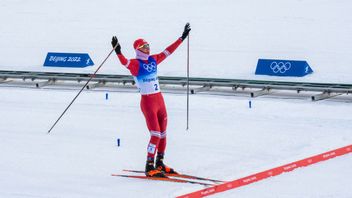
(179, 175)
(162, 179)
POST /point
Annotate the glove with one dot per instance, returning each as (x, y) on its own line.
(186, 31)
(115, 42)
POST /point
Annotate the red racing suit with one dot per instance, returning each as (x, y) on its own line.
(152, 102)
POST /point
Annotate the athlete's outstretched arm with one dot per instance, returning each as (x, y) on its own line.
(171, 48)
(167, 52)
(131, 65)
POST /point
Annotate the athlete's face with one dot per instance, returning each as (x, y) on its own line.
(144, 48)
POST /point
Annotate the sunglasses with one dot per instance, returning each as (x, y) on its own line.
(144, 46)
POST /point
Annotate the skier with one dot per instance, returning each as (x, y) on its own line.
(144, 70)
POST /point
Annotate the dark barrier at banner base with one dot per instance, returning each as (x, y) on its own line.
(274, 67)
(57, 59)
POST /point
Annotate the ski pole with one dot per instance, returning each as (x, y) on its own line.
(92, 76)
(187, 83)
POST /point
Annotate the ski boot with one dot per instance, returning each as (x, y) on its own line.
(162, 167)
(151, 171)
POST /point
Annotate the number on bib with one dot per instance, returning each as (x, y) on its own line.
(156, 87)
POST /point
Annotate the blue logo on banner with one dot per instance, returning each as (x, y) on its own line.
(54, 59)
(274, 67)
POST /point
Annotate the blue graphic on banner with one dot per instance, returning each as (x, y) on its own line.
(56, 59)
(274, 67)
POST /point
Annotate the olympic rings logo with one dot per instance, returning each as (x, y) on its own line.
(280, 67)
(151, 67)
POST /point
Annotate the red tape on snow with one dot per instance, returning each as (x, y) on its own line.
(268, 173)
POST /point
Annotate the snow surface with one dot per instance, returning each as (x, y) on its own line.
(226, 140)
(227, 37)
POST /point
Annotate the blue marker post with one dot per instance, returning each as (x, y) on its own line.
(250, 104)
(106, 96)
(118, 142)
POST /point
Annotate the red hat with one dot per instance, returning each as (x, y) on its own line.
(139, 42)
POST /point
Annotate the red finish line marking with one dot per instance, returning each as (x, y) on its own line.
(268, 173)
